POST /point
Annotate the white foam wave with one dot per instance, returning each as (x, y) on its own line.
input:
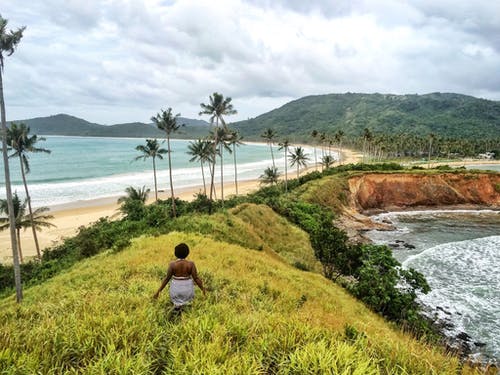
(465, 283)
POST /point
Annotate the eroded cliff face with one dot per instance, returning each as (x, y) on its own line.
(389, 191)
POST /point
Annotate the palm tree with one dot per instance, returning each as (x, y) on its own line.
(432, 138)
(223, 136)
(133, 194)
(151, 150)
(367, 137)
(315, 134)
(36, 220)
(327, 161)
(19, 140)
(8, 43)
(339, 136)
(217, 108)
(200, 150)
(235, 140)
(166, 121)
(133, 204)
(270, 135)
(298, 158)
(270, 176)
(284, 145)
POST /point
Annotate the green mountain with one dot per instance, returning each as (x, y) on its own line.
(450, 115)
(63, 124)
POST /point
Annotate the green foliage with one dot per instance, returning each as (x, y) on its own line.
(450, 115)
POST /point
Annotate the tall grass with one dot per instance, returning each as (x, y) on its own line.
(260, 316)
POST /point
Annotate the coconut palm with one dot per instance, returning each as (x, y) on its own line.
(201, 150)
(284, 145)
(133, 194)
(152, 150)
(20, 141)
(235, 141)
(223, 136)
(367, 138)
(22, 221)
(217, 108)
(167, 122)
(315, 135)
(270, 136)
(327, 161)
(8, 43)
(432, 138)
(299, 158)
(270, 176)
(339, 137)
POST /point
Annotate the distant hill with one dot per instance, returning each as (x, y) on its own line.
(63, 124)
(450, 115)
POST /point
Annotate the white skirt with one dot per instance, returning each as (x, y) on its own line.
(181, 291)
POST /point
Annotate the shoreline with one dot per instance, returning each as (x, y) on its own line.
(68, 217)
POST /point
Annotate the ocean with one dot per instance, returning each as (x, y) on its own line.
(458, 251)
(85, 168)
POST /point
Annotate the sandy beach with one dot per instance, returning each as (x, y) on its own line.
(69, 217)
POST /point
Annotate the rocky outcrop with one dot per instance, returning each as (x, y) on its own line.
(389, 191)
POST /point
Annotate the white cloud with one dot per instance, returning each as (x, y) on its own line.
(118, 61)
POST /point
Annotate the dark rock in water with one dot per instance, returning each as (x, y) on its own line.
(463, 336)
(480, 344)
(409, 246)
(443, 310)
(386, 221)
(394, 245)
(399, 241)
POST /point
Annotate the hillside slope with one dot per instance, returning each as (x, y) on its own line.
(450, 115)
(67, 125)
(260, 316)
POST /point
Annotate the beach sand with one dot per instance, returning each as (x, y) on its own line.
(69, 217)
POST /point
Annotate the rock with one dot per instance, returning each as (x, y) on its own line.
(399, 241)
(463, 336)
(409, 246)
(480, 344)
(394, 245)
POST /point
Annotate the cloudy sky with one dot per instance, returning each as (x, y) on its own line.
(115, 61)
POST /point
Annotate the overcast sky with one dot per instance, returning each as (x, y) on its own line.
(120, 61)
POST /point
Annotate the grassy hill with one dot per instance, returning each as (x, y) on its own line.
(450, 115)
(63, 124)
(261, 314)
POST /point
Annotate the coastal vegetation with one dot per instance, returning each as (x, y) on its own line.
(167, 122)
(9, 41)
(151, 150)
(22, 143)
(36, 219)
(217, 108)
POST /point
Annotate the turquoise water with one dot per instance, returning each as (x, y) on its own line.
(459, 254)
(83, 168)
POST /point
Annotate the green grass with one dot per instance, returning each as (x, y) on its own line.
(260, 316)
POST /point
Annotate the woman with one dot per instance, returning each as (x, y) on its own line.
(182, 272)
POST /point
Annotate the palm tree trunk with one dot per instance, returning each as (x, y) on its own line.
(272, 155)
(298, 171)
(212, 184)
(19, 244)
(154, 174)
(315, 159)
(174, 213)
(10, 205)
(203, 176)
(286, 169)
(28, 199)
(235, 169)
(222, 174)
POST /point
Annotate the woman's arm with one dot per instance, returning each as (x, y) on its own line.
(165, 281)
(197, 280)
